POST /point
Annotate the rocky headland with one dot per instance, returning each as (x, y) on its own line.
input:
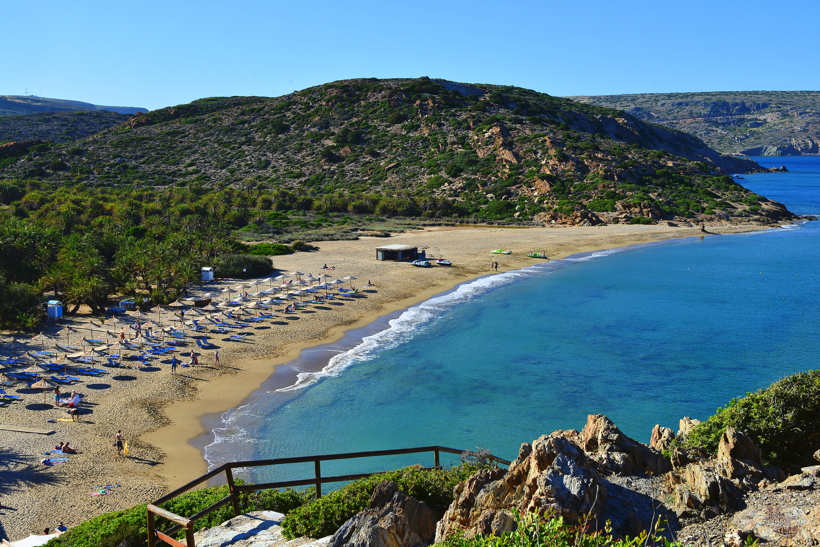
(602, 479)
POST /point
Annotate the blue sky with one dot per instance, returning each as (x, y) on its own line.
(161, 53)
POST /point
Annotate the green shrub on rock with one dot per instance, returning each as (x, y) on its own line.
(322, 517)
(781, 419)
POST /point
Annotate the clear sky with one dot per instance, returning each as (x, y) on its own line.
(155, 53)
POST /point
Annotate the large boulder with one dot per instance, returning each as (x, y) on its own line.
(393, 519)
(553, 475)
(567, 474)
(618, 454)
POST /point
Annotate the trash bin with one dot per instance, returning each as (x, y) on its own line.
(55, 309)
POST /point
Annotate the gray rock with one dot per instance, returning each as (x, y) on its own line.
(401, 522)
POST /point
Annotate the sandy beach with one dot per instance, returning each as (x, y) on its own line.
(160, 413)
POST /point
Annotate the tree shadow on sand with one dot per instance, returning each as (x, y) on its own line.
(17, 472)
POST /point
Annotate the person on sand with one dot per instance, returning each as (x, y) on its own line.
(62, 527)
(216, 358)
(68, 450)
(174, 364)
(118, 442)
(74, 413)
(57, 400)
(59, 447)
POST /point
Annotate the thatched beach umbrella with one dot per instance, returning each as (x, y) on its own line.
(35, 369)
(44, 385)
(176, 304)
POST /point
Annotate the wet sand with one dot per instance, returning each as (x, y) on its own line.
(160, 413)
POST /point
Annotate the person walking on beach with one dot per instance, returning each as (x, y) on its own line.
(118, 442)
(216, 358)
(174, 363)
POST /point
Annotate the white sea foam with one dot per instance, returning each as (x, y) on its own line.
(406, 326)
(242, 423)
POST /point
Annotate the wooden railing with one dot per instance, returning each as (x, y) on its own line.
(187, 524)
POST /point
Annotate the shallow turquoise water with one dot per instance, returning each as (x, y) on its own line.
(644, 335)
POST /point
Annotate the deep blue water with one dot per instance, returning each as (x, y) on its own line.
(645, 335)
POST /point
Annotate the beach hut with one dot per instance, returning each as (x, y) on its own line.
(397, 252)
(207, 273)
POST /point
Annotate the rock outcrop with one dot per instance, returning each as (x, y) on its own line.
(394, 519)
(567, 474)
(709, 487)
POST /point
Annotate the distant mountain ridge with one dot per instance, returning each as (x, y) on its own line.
(755, 123)
(11, 105)
(59, 127)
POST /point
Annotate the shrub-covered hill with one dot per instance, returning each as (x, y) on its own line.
(415, 147)
(59, 127)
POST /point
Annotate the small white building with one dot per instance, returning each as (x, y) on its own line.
(207, 273)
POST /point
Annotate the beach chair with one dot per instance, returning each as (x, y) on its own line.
(113, 363)
(267, 315)
(88, 371)
(95, 342)
(59, 380)
(204, 344)
(71, 378)
(5, 395)
(238, 338)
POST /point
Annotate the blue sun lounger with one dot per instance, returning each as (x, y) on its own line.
(204, 344)
(59, 380)
(5, 395)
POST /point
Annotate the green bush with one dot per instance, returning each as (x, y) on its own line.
(641, 220)
(243, 266)
(533, 530)
(781, 419)
(322, 517)
(270, 249)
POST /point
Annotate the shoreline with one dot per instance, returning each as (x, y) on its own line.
(186, 413)
(162, 415)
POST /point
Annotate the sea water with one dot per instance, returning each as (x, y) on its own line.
(645, 334)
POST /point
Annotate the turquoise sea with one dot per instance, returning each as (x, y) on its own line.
(645, 335)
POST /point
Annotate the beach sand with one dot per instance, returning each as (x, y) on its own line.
(160, 413)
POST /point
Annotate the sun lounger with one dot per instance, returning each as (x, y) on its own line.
(59, 380)
(267, 315)
(95, 342)
(89, 372)
(67, 377)
(5, 395)
(237, 338)
(253, 319)
(115, 364)
(24, 376)
(51, 366)
(204, 344)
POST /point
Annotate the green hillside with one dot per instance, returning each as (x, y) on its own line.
(413, 147)
(757, 123)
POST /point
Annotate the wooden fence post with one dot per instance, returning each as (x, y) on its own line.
(234, 501)
(317, 465)
(151, 536)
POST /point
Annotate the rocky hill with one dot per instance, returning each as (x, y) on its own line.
(755, 123)
(439, 148)
(59, 127)
(11, 105)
